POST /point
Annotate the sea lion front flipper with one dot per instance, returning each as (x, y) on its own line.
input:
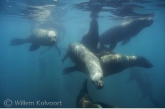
(57, 48)
(125, 42)
(69, 70)
(112, 46)
(34, 46)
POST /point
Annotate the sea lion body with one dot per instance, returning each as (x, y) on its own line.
(115, 63)
(37, 37)
(123, 32)
(42, 37)
(86, 62)
(112, 63)
(91, 39)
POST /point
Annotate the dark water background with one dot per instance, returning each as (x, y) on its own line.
(29, 76)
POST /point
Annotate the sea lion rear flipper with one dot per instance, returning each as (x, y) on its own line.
(125, 42)
(57, 48)
(112, 46)
(69, 70)
(17, 41)
(34, 46)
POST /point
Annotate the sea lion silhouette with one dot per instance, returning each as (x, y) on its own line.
(86, 62)
(123, 32)
(38, 37)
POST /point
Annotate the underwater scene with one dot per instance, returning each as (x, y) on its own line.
(82, 53)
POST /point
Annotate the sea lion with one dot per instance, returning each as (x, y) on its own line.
(114, 63)
(86, 62)
(91, 39)
(85, 101)
(144, 83)
(38, 37)
(123, 32)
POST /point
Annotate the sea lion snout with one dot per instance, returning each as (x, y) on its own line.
(144, 62)
(147, 22)
(100, 85)
(150, 22)
(99, 82)
(148, 65)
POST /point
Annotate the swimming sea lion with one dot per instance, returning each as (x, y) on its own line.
(91, 39)
(123, 32)
(144, 83)
(114, 63)
(86, 62)
(38, 37)
(85, 101)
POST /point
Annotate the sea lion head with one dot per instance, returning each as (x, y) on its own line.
(146, 22)
(143, 62)
(98, 80)
(52, 36)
